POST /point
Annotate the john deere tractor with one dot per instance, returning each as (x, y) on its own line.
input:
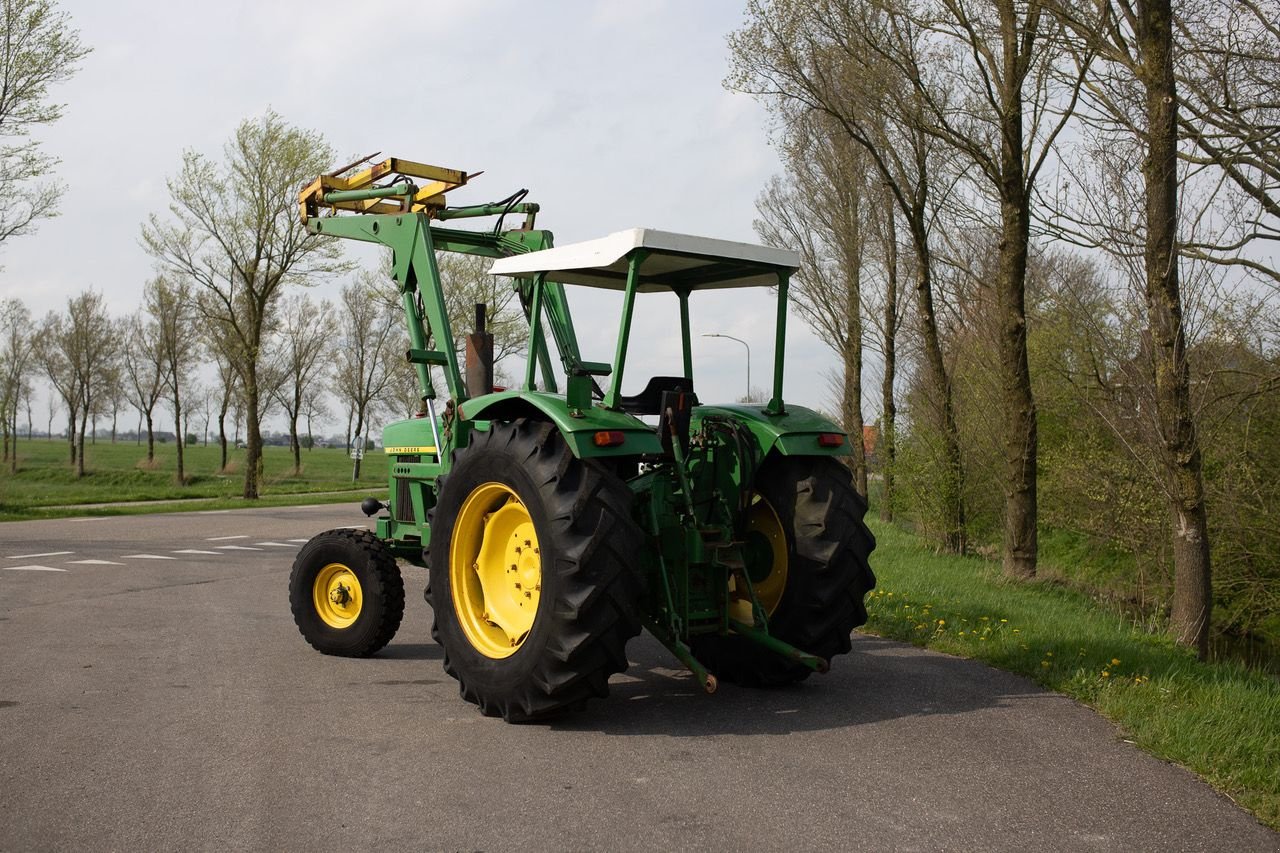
(555, 522)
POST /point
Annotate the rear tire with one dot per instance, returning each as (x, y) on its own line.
(346, 593)
(518, 489)
(827, 573)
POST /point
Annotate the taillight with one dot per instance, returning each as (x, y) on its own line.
(831, 439)
(610, 438)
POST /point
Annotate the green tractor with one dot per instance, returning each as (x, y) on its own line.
(554, 524)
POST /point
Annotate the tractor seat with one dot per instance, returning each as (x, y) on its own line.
(649, 401)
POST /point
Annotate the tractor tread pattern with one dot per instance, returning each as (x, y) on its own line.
(382, 585)
(595, 613)
(829, 575)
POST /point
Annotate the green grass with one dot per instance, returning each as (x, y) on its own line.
(46, 485)
(1221, 720)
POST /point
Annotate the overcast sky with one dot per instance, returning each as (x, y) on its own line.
(613, 114)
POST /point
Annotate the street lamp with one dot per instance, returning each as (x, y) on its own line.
(745, 344)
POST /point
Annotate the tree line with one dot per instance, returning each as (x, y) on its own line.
(1055, 222)
(229, 301)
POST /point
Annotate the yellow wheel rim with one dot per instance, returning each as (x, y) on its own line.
(337, 596)
(766, 557)
(495, 570)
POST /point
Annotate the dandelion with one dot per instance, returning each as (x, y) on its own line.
(1017, 630)
(1044, 664)
(1115, 661)
(1004, 620)
(1106, 674)
(942, 621)
(986, 618)
(1048, 654)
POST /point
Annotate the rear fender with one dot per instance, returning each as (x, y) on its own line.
(579, 429)
(794, 433)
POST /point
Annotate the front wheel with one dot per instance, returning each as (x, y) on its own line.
(346, 593)
(533, 579)
(806, 553)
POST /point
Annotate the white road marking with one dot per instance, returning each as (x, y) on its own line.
(45, 554)
(212, 511)
(92, 563)
(275, 544)
(236, 548)
(31, 569)
(222, 538)
(194, 551)
(145, 557)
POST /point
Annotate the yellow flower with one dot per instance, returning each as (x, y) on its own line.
(942, 621)
(1048, 654)
(1115, 661)
(1004, 620)
(1045, 664)
(1106, 674)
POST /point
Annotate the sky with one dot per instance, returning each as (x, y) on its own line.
(613, 114)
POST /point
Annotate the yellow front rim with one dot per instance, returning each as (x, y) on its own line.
(766, 556)
(495, 570)
(337, 596)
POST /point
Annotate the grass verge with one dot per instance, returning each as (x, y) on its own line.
(46, 486)
(1220, 720)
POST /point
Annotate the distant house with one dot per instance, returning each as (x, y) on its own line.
(870, 437)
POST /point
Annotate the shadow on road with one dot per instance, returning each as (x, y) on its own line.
(412, 651)
(879, 680)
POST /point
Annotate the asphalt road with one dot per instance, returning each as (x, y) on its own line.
(155, 695)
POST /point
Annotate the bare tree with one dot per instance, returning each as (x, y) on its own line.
(369, 343)
(78, 351)
(306, 327)
(38, 49)
(1133, 119)
(169, 304)
(144, 372)
(234, 231)
(822, 209)
(15, 361)
(827, 58)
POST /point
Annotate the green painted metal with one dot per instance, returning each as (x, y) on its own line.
(624, 328)
(779, 347)
(692, 504)
(794, 433)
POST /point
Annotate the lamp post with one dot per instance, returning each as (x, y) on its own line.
(745, 344)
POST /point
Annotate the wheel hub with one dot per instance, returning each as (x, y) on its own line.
(495, 567)
(337, 596)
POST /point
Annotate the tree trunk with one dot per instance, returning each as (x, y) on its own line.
(253, 434)
(357, 439)
(1017, 403)
(888, 422)
(222, 435)
(952, 485)
(71, 434)
(852, 356)
(182, 438)
(151, 439)
(1179, 445)
(294, 444)
(84, 423)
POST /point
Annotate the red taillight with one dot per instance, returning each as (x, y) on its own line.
(610, 438)
(831, 439)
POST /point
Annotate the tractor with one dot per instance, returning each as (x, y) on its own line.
(556, 522)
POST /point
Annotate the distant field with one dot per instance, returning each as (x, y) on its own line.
(118, 473)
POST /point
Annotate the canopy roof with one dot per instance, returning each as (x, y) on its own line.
(675, 261)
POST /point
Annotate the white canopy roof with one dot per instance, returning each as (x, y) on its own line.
(675, 260)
